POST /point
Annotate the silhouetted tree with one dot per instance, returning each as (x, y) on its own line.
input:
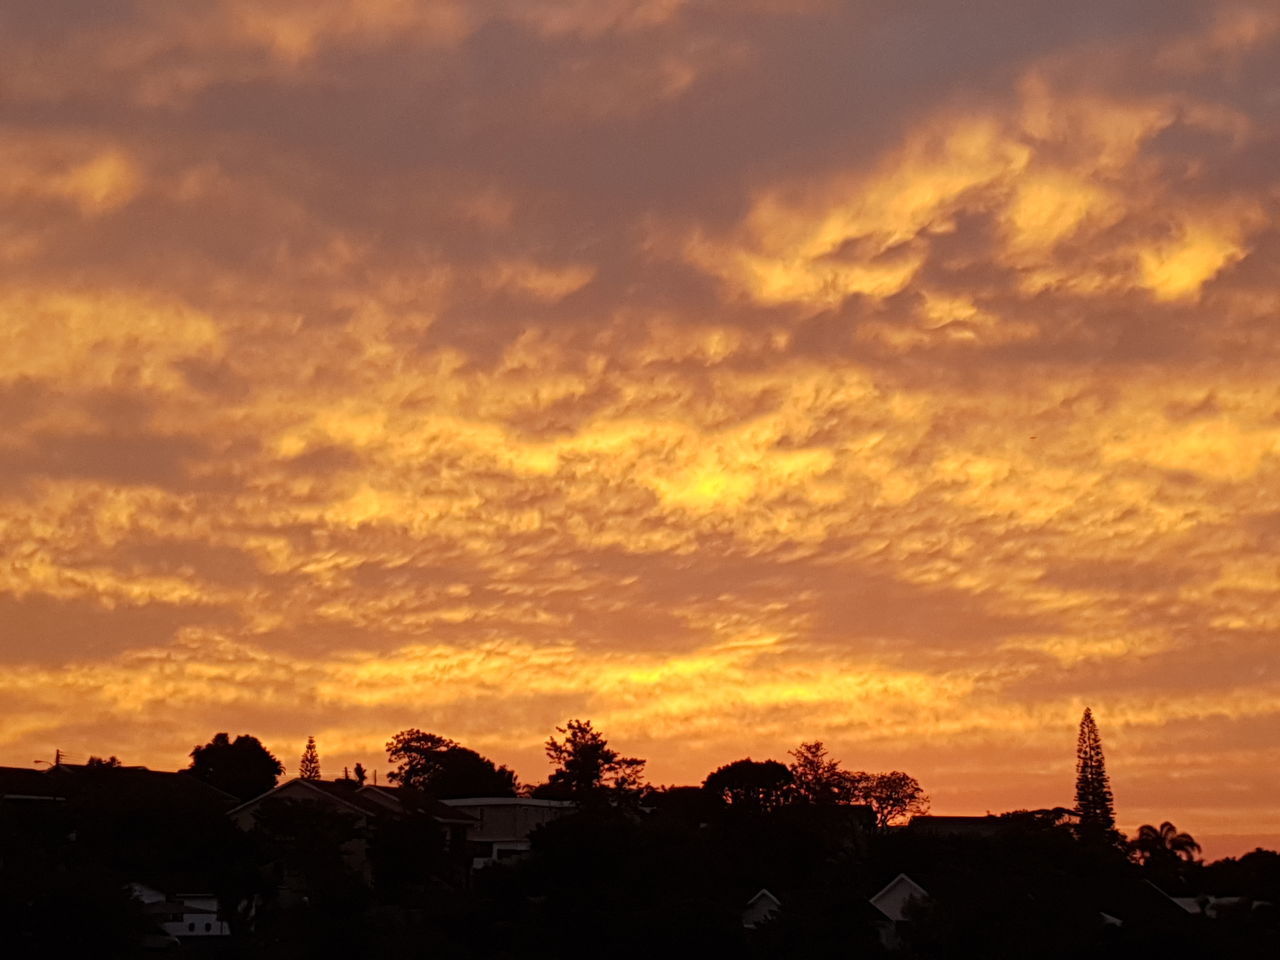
(1093, 789)
(309, 765)
(444, 769)
(893, 796)
(1255, 875)
(1163, 843)
(243, 768)
(750, 785)
(818, 779)
(360, 775)
(587, 768)
(112, 761)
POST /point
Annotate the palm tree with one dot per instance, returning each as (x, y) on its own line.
(1163, 844)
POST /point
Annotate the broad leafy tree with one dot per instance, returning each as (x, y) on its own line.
(753, 786)
(893, 797)
(242, 767)
(444, 769)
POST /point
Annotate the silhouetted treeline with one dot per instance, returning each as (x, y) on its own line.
(764, 858)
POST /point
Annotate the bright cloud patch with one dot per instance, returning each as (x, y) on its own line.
(731, 374)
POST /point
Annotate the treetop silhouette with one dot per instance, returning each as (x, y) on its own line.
(242, 767)
(587, 768)
(309, 766)
(817, 778)
(443, 768)
(752, 786)
(1163, 843)
(1094, 801)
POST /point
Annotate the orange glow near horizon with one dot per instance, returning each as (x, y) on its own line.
(730, 377)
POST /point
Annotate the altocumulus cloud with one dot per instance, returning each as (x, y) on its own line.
(731, 373)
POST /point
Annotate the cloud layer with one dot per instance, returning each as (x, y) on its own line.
(730, 373)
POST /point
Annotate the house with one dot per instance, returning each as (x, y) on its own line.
(931, 826)
(1217, 907)
(182, 915)
(364, 802)
(501, 827)
(759, 909)
(457, 824)
(20, 786)
(893, 905)
(367, 807)
(137, 788)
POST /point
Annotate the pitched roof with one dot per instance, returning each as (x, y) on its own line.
(508, 802)
(174, 907)
(420, 802)
(370, 801)
(137, 784)
(985, 826)
(1133, 900)
(902, 883)
(764, 894)
(22, 783)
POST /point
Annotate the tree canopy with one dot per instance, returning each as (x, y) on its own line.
(587, 768)
(754, 786)
(817, 778)
(1165, 842)
(443, 768)
(242, 767)
(893, 796)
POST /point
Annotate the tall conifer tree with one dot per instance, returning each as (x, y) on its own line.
(309, 767)
(1093, 788)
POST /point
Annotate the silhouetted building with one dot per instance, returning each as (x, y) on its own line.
(367, 808)
(20, 785)
(893, 903)
(987, 826)
(501, 826)
(182, 915)
(759, 909)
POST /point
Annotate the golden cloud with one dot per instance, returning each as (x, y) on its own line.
(554, 380)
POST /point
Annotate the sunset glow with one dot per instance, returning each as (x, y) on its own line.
(730, 373)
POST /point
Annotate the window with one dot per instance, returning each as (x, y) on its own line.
(208, 927)
(191, 928)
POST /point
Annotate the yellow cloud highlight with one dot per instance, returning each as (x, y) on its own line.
(99, 338)
(1217, 449)
(1066, 168)
(809, 249)
(542, 283)
(295, 31)
(1178, 268)
(96, 181)
(1049, 205)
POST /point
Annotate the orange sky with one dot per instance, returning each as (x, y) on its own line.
(729, 372)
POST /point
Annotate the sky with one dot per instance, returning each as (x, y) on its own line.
(730, 373)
